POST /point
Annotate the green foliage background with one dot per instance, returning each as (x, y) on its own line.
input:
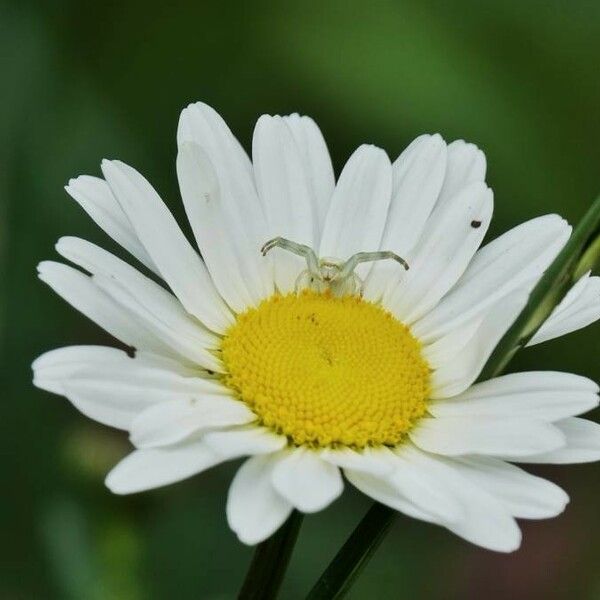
(83, 81)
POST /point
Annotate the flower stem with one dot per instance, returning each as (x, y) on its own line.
(553, 285)
(354, 554)
(270, 562)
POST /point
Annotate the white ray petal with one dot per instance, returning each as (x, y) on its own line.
(109, 386)
(179, 264)
(407, 488)
(458, 436)
(514, 260)
(578, 309)
(151, 468)
(359, 207)
(52, 368)
(243, 215)
(283, 185)
(82, 294)
(149, 299)
(315, 155)
(95, 197)
(524, 495)
(369, 460)
(144, 380)
(454, 233)
(466, 164)
(582, 444)
(445, 348)
(417, 177)
(380, 489)
(183, 346)
(224, 249)
(254, 509)
(543, 395)
(486, 521)
(419, 486)
(306, 481)
(171, 422)
(460, 371)
(244, 441)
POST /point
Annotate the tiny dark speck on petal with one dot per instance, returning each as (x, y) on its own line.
(475, 224)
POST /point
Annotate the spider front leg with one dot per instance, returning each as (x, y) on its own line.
(302, 250)
(361, 257)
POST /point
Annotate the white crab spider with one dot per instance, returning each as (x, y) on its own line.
(329, 274)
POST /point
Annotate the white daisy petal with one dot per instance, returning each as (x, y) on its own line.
(107, 381)
(486, 521)
(407, 488)
(254, 509)
(232, 268)
(445, 348)
(179, 264)
(382, 490)
(306, 481)
(171, 422)
(181, 346)
(369, 460)
(524, 495)
(244, 441)
(283, 186)
(151, 468)
(359, 206)
(112, 404)
(112, 388)
(315, 155)
(82, 294)
(457, 436)
(419, 486)
(452, 236)
(582, 444)
(578, 309)
(457, 373)
(542, 395)
(52, 368)
(95, 197)
(466, 164)
(514, 260)
(243, 216)
(157, 374)
(417, 177)
(150, 302)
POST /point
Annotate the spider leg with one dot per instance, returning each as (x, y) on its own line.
(302, 250)
(361, 257)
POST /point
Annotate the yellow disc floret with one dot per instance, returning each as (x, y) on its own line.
(327, 371)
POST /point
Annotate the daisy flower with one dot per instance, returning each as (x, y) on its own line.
(347, 348)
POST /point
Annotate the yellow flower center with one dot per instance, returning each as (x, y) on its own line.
(327, 371)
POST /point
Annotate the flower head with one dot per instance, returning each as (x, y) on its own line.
(350, 344)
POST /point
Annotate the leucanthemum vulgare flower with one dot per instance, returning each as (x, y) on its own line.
(349, 345)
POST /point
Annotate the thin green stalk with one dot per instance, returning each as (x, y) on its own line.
(354, 554)
(362, 543)
(270, 562)
(549, 291)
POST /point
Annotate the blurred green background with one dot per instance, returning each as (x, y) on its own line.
(83, 81)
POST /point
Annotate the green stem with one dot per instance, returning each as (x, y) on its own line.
(354, 554)
(362, 543)
(270, 562)
(549, 291)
